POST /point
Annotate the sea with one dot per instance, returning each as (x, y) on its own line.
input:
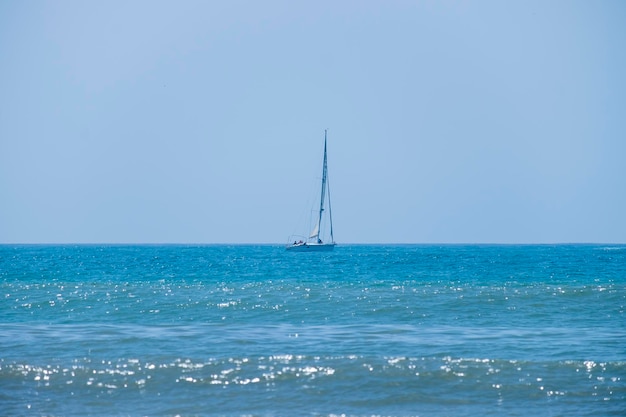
(365, 330)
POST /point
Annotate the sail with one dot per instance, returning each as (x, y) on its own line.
(314, 241)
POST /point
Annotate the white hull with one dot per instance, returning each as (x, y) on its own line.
(311, 247)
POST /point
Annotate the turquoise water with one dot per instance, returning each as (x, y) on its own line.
(458, 330)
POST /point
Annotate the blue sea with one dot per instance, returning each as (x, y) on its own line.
(366, 330)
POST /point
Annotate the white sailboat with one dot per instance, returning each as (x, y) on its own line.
(314, 243)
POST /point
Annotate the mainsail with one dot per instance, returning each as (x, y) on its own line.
(314, 242)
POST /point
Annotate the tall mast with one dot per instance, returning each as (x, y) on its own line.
(324, 174)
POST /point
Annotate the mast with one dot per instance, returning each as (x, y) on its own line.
(324, 174)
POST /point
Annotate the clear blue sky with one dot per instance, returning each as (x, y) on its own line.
(203, 121)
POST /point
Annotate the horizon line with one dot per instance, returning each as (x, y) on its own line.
(284, 244)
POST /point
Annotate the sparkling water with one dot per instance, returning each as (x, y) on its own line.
(365, 330)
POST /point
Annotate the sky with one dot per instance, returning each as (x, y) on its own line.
(203, 121)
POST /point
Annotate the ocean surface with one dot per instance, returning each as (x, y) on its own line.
(366, 330)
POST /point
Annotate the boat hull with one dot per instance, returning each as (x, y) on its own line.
(311, 247)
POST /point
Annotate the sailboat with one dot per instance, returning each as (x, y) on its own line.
(314, 243)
